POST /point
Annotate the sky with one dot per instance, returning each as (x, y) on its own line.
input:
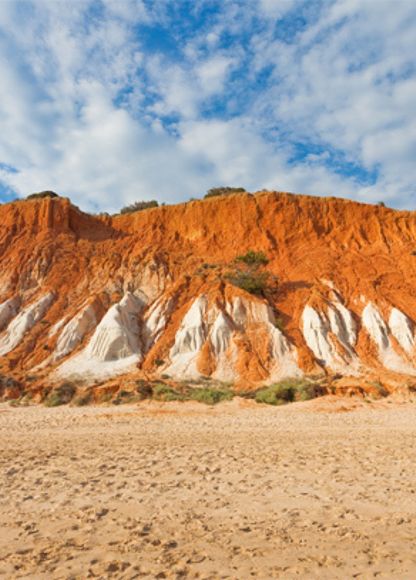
(109, 102)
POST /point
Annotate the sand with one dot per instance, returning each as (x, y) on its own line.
(325, 489)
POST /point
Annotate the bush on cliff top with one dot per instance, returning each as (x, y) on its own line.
(139, 206)
(214, 191)
(42, 194)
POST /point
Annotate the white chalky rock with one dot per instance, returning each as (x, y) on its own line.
(23, 322)
(315, 332)
(189, 340)
(256, 314)
(375, 325)
(343, 324)
(221, 328)
(379, 332)
(74, 332)
(117, 335)
(317, 327)
(401, 328)
(223, 350)
(155, 322)
(57, 327)
(114, 348)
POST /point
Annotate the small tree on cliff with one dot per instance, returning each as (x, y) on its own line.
(248, 272)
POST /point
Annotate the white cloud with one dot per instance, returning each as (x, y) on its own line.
(88, 110)
(276, 8)
(344, 84)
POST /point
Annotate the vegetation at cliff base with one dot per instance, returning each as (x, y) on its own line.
(210, 395)
(60, 395)
(288, 391)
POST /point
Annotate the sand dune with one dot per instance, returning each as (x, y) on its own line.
(184, 490)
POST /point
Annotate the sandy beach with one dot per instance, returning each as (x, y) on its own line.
(324, 489)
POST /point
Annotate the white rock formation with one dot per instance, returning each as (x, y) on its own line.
(8, 311)
(74, 332)
(257, 315)
(23, 322)
(375, 325)
(155, 322)
(117, 335)
(189, 340)
(57, 326)
(317, 326)
(221, 329)
(379, 332)
(315, 332)
(402, 329)
(342, 324)
(223, 349)
(220, 334)
(284, 354)
(114, 348)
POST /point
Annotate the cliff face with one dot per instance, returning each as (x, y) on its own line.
(98, 296)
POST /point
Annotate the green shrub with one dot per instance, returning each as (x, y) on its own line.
(269, 397)
(139, 206)
(163, 392)
(287, 391)
(159, 362)
(210, 396)
(215, 191)
(252, 258)
(60, 395)
(252, 281)
(42, 194)
(247, 273)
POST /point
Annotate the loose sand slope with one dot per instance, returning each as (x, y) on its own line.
(234, 491)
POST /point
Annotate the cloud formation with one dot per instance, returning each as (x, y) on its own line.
(111, 101)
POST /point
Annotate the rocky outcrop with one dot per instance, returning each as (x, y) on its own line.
(97, 296)
(225, 334)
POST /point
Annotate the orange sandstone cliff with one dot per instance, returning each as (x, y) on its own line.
(94, 297)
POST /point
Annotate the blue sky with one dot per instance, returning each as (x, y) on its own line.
(111, 101)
